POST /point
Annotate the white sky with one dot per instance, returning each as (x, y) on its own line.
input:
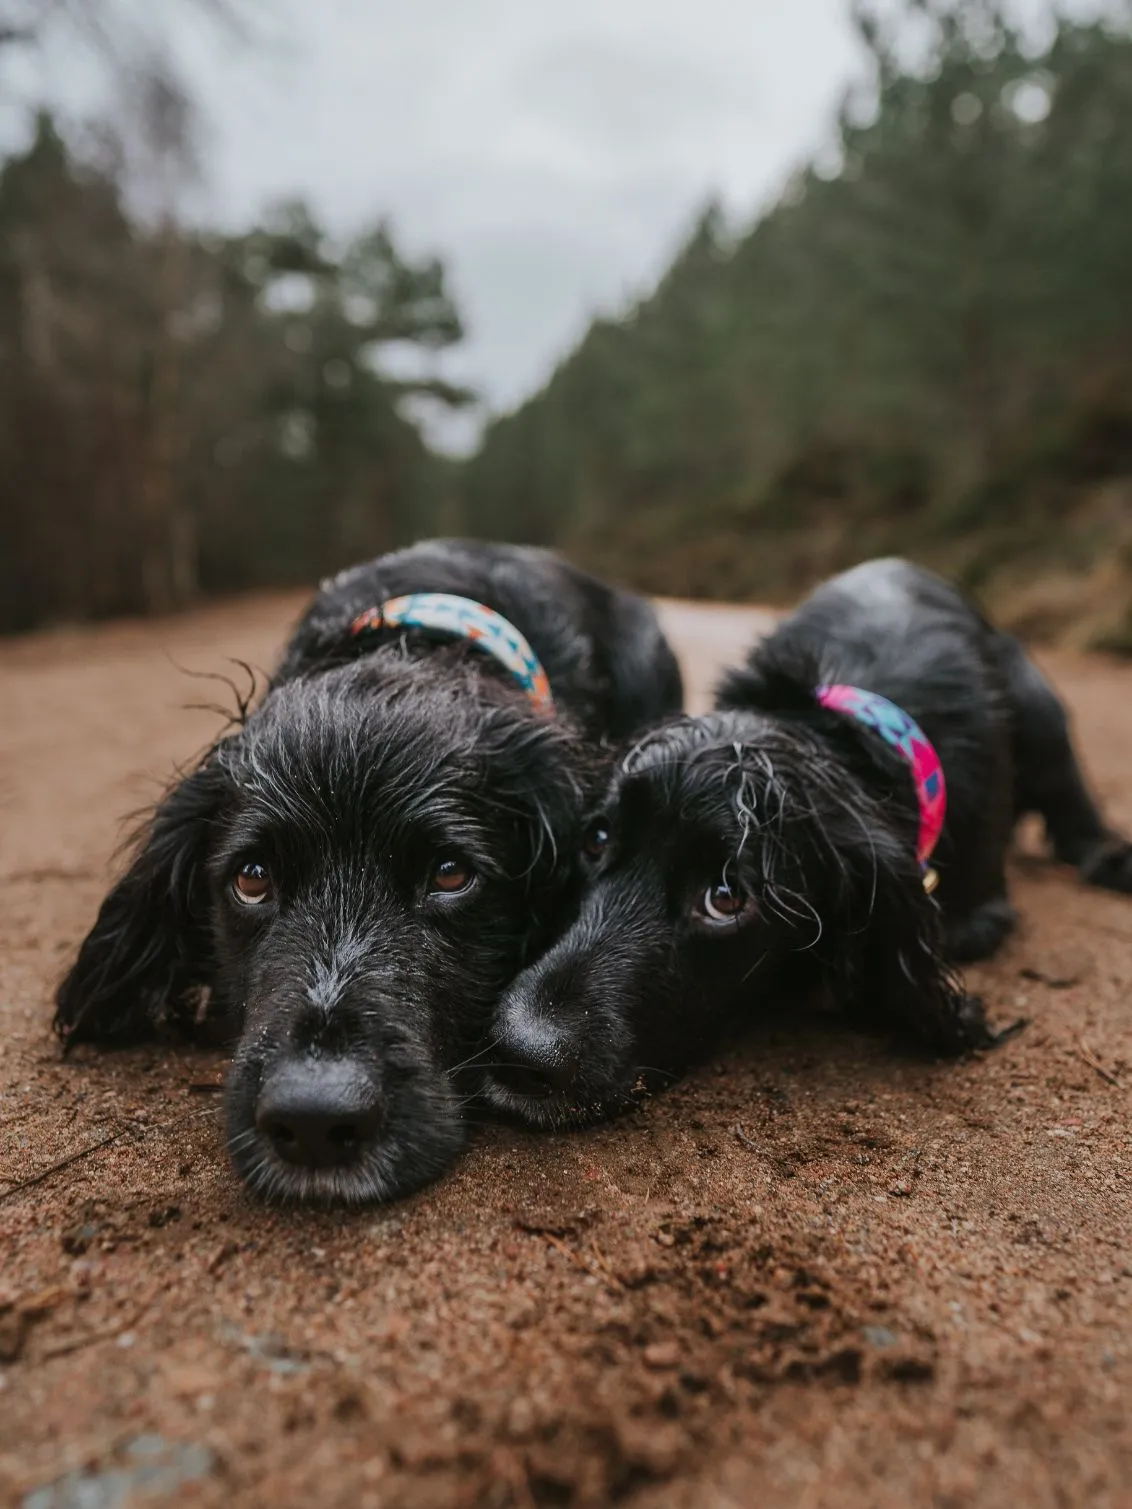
(554, 155)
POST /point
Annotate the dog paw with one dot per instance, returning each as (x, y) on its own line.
(1109, 866)
(981, 932)
(1004, 1034)
(970, 1030)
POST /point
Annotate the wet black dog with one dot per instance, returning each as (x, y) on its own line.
(769, 849)
(353, 876)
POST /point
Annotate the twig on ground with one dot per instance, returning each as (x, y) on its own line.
(66, 1345)
(604, 1266)
(1086, 1053)
(567, 1252)
(136, 1127)
(56, 1168)
(602, 1272)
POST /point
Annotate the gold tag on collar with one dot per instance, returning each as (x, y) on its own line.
(931, 880)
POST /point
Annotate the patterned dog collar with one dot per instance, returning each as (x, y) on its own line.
(462, 618)
(906, 736)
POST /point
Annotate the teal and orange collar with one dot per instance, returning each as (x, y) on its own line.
(461, 618)
(906, 736)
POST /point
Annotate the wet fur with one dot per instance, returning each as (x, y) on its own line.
(815, 818)
(363, 763)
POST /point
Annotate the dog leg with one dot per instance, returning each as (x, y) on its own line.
(980, 933)
(953, 1025)
(900, 969)
(1050, 781)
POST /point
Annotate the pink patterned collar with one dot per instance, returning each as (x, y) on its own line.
(906, 736)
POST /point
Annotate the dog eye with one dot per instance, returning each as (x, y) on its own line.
(596, 840)
(451, 876)
(252, 885)
(725, 902)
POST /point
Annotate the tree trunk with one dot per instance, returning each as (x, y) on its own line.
(170, 563)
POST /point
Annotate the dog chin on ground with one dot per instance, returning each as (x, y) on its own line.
(353, 877)
(346, 1128)
(579, 1035)
(733, 860)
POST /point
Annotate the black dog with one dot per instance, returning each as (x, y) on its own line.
(353, 877)
(771, 847)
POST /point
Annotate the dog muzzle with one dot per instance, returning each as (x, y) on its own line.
(452, 617)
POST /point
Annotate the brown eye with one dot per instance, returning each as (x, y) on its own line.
(451, 876)
(596, 840)
(725, 902)
(252, 884)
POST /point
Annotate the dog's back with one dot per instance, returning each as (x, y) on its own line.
(607, 660)
(891, 627)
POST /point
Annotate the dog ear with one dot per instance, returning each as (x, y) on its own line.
(149, 946)
(834, 849)
(542, 772)
(892, 969)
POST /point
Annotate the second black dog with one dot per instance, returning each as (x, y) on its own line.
(771, 847)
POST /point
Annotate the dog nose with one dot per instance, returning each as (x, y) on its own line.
(536, 1058)
(319, 1113)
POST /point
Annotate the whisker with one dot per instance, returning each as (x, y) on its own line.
(475, 1057)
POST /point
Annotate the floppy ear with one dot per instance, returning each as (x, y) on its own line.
(891, 969)
(882, 934)
(149, 946)
(542, 773)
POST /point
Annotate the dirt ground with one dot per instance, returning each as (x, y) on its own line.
(815, 1274)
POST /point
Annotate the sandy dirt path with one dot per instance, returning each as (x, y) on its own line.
(815, 1274)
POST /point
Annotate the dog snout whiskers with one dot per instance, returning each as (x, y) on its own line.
(539, 1080)
(537, 1058)
(479, 1059)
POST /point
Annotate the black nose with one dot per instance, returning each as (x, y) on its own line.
(534, 1057)
(319, 1112)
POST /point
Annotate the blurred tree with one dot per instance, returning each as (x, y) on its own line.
(183, 412)
(345, 446)
(896, 355)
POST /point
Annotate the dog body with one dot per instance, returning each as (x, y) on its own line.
(355, 874)
(609, 665)
(770, 848)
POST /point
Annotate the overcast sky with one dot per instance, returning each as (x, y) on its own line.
(554, 154)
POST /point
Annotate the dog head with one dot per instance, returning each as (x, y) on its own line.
(733, 852)
(354, 876)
